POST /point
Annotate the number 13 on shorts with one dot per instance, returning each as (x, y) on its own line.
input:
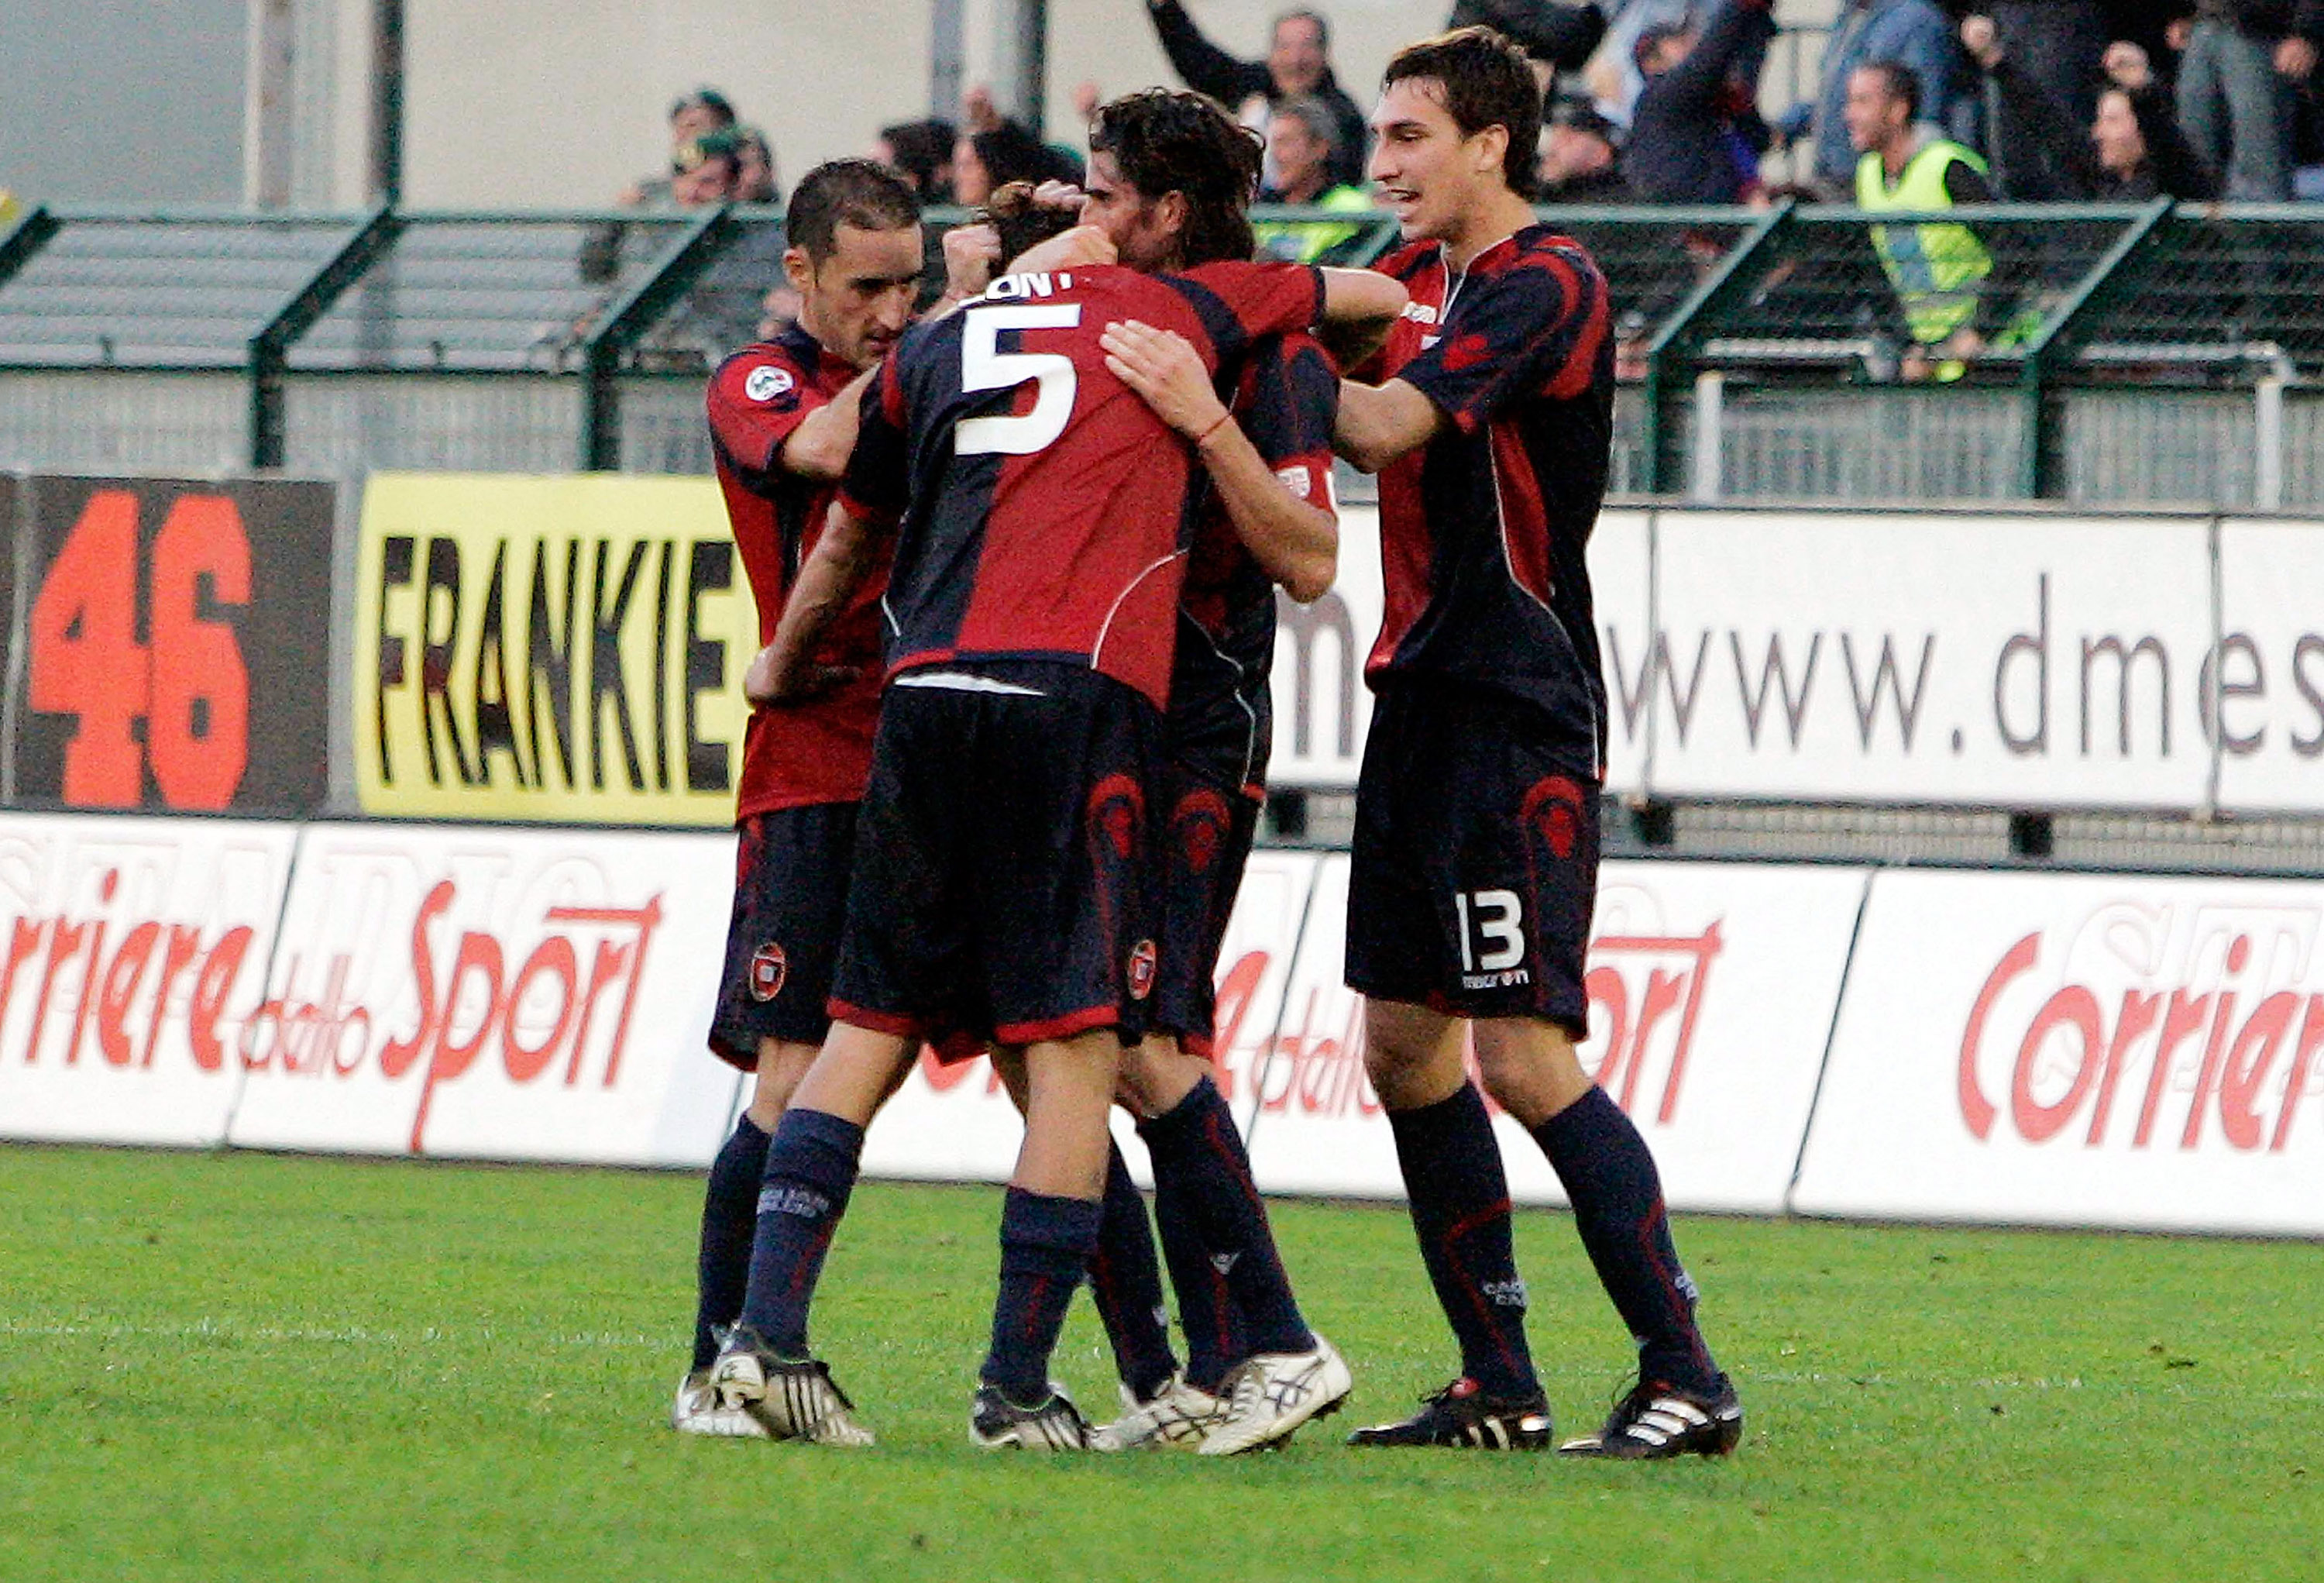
(1493, 932)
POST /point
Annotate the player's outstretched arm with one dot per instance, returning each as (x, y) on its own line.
(836, 567)
(1296, 543)
(1361, 297)
(1380, 423)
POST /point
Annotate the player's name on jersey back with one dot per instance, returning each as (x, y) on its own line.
(553, 649)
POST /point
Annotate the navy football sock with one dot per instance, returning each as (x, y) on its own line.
(1617, 1208)
(1126, 1280)
(811, 1167)
(1460, 1200)
(1199, 1159)
(1046, 1243)
(1206, 1305)
(730, 1211)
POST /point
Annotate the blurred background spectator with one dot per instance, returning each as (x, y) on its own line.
(921, 152)
(1299, 63)
(2054, 45)
(1581, 160)
(697, 115)
(1913, 32)
(2130, 151)
(1685, 144)
(1299, 156)
(754, 175)
(2238, 90)
(1003, 152)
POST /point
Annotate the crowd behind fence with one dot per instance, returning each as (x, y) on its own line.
(2153, 353)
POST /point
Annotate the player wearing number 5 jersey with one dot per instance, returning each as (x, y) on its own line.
(1004, 880)
(1476, 845)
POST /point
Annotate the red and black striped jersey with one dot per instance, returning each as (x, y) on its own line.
(819, 751)
(1483, 530)
(1287, 398)
(1045, 511)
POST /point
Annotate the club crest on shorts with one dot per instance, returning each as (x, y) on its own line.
(768, 969)
(1142, 959)
(1553, 808)
(767, 382)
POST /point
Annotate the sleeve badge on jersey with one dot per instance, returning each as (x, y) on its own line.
(767, 382)
(1295, 478)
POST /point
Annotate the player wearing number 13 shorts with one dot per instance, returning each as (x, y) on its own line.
(1475, 865)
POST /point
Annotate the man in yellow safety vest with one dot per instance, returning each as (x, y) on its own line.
(1938, 270)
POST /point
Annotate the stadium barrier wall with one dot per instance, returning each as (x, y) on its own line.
(2066, 1049)
(570, 650)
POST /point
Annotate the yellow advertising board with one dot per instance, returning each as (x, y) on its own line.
(550, 649)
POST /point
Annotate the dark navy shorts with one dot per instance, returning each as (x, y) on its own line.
(1003, 882)
(790, 903)
(1206, 824)
(1476, 859)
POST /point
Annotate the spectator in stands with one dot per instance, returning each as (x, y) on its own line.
(982, 162)
(1939, 271)
(2054, 45)
(2238, 88)
(697, 115)
(1614, 77)
(1298, 62)
(703, 171)
(2132, 150)
(1299, 153)
(754, 178)
(920, 152)
(1580, 162)
(1913, 33)
(1682, 146)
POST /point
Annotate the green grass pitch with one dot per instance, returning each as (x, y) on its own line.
(235, 1366)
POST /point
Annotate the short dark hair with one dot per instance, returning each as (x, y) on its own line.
(1903, 83)
(921, 148)
(1487, 83)
(863, 193)
(1019, 222)
(1011, 153)
(1187, 142)
(721, 109)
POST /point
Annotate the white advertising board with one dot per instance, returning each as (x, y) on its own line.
(136, 951)
(1321, 707)
(494, 994)
(956, 1124)
(2022, 661)
(2082, 1050)
(2271, 667)
(1711, 989)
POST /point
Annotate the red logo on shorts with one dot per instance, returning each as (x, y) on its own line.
(1202, 824)
(1142, 958)
(1554, 807)
(768, 969)
(1117, 806)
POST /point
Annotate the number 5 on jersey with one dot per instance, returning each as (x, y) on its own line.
(983, 365)
(1492, 930)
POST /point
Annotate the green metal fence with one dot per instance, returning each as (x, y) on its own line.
(2153, 353)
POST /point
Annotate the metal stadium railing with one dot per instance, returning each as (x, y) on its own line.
(2155, 353)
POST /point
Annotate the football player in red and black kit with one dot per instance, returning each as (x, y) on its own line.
(1254, 1370)
(1005, 881)
(1476, 843)
(782, 423)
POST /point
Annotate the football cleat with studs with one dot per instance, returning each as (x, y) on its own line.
(789, 1398)
(1270, 1395)
(995, 1423)
(1654, 1421)
(698, 1410)
(1175, 1418)
(1461, 1414)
